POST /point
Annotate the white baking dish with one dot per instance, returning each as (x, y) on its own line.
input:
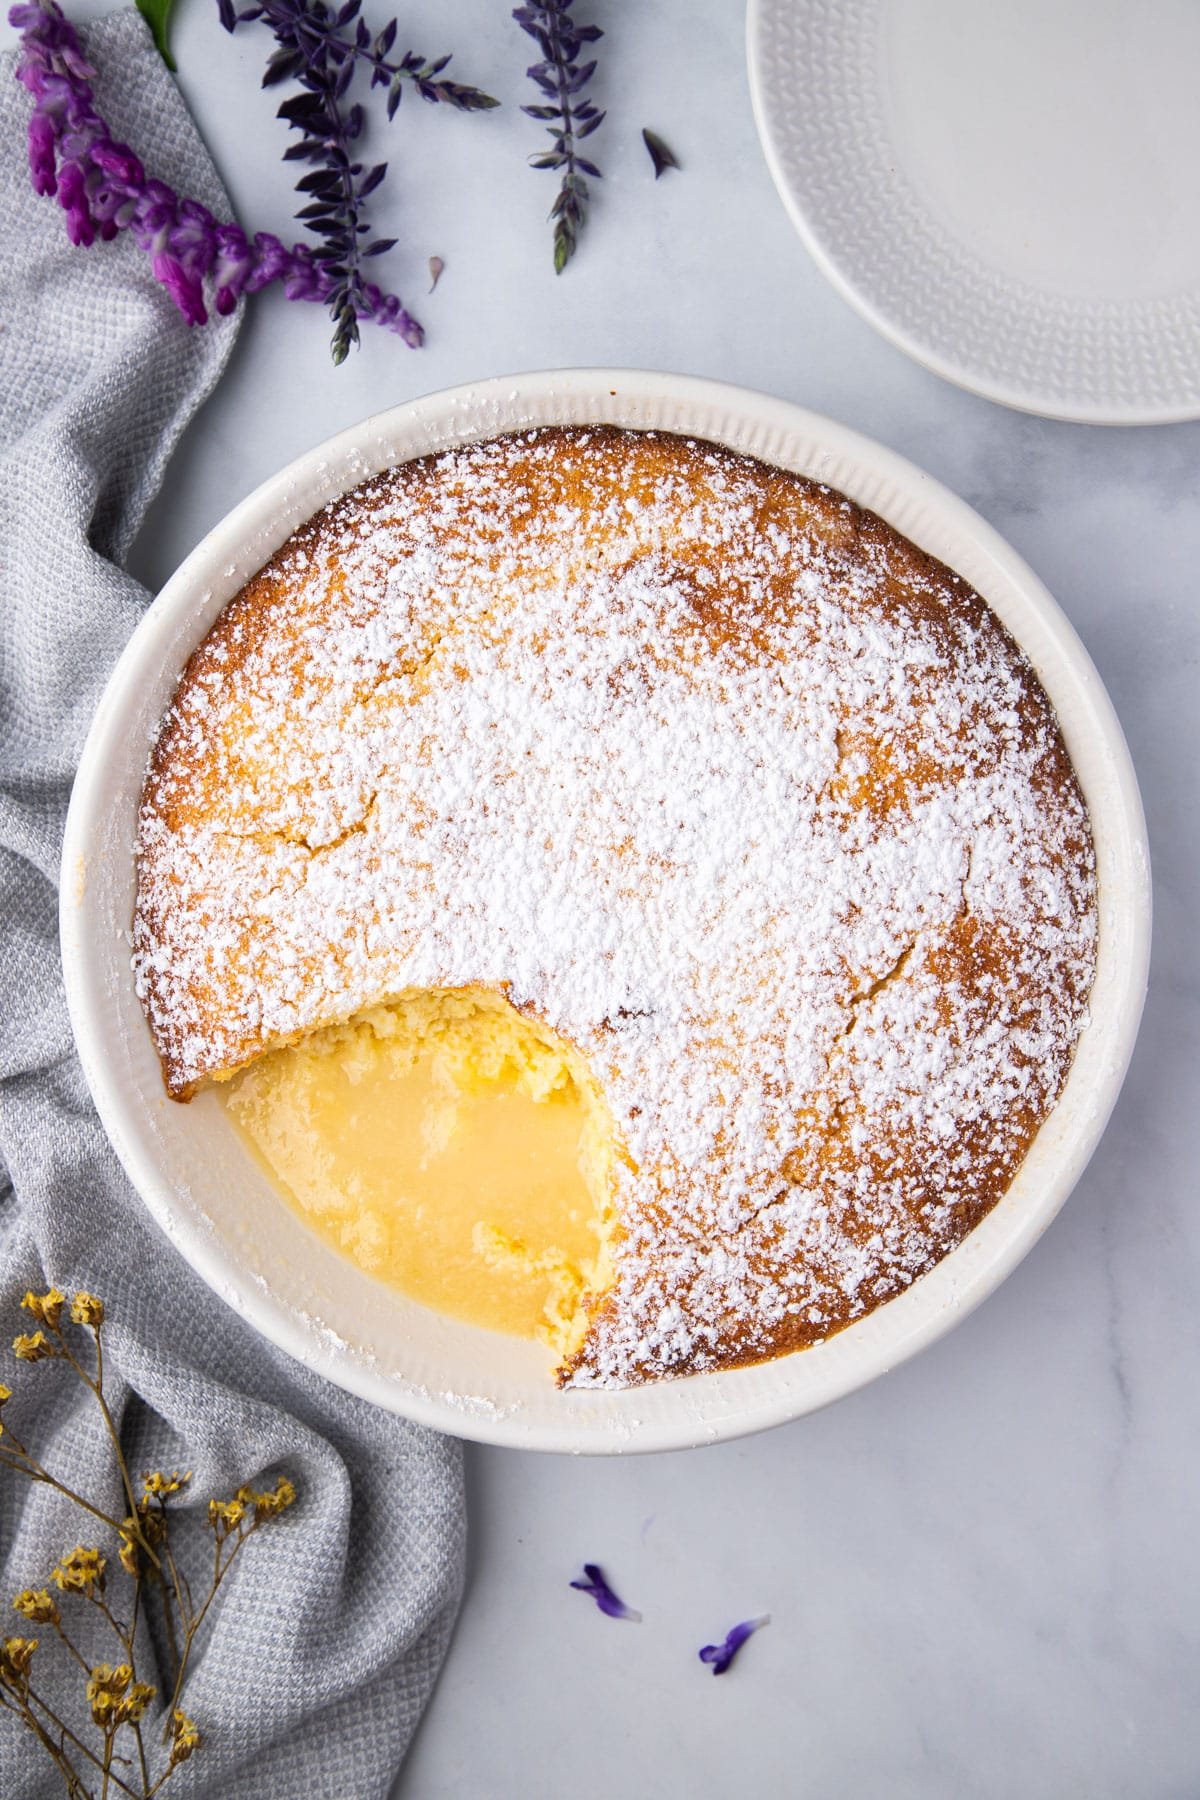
(217, 1208)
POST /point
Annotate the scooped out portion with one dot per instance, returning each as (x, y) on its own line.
(450, 1146)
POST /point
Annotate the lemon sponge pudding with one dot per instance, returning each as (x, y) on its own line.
(629, 895)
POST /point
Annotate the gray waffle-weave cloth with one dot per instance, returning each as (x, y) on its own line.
(324, 1644)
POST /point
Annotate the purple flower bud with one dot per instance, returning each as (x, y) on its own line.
(41, 154)
(661, 154)
(302, 279)
(72, 197)
(721, 1655)
(155, 214)
(111, 206)
(269, 262)
(595, 1584)
(387, 310)
(184, 289)
(61, 97)
(118, 161)
(232, 267)
(193, 241)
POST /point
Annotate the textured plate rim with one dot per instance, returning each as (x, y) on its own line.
(695, 1409)
(946, 367)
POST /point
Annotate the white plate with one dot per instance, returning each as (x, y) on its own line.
(192, 1171)
(1010, 193)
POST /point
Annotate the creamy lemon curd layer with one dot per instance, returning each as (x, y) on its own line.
(451, 1147)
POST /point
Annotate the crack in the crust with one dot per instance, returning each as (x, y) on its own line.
(400, 671)
(900, 966)
(276, 887)
(889, 975)
(837, 1048)
(355, 829)
(839, 745)
(964, 905)
(854, 1001)
(298, 841)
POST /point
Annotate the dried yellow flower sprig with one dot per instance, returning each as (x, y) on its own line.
(116, 1700)
(80, 1572)
(46, 1308)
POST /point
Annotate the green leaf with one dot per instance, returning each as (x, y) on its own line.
(157, 13)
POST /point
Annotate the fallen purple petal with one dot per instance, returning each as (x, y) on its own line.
(595, 1584)
(719, 1656)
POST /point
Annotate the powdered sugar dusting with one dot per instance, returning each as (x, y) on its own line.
(715, 774)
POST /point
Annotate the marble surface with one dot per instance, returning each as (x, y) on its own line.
(982, 1571)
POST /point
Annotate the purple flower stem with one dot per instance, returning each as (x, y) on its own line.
(103, 189)
(569, 118)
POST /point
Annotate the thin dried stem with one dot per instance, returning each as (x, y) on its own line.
(94, 1383)
(35, 1469)
(137, 1729)
(57, 1751)
(29, 1465)
(62, 1632)
(116, 1697)
(183, 1593)
(173, 1649)
(123, 1633)
(220, 1570)
(84, 1750)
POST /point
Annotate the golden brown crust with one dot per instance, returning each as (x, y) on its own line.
(291, 871)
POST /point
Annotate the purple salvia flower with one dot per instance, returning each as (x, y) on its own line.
(52, 35)
(24, 18)
(721, 1655)
(112, 207)
(104, 203)
(193, 251)
(103, 189)
(594, 1583)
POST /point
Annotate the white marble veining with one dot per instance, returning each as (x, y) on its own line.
(983, 1572)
